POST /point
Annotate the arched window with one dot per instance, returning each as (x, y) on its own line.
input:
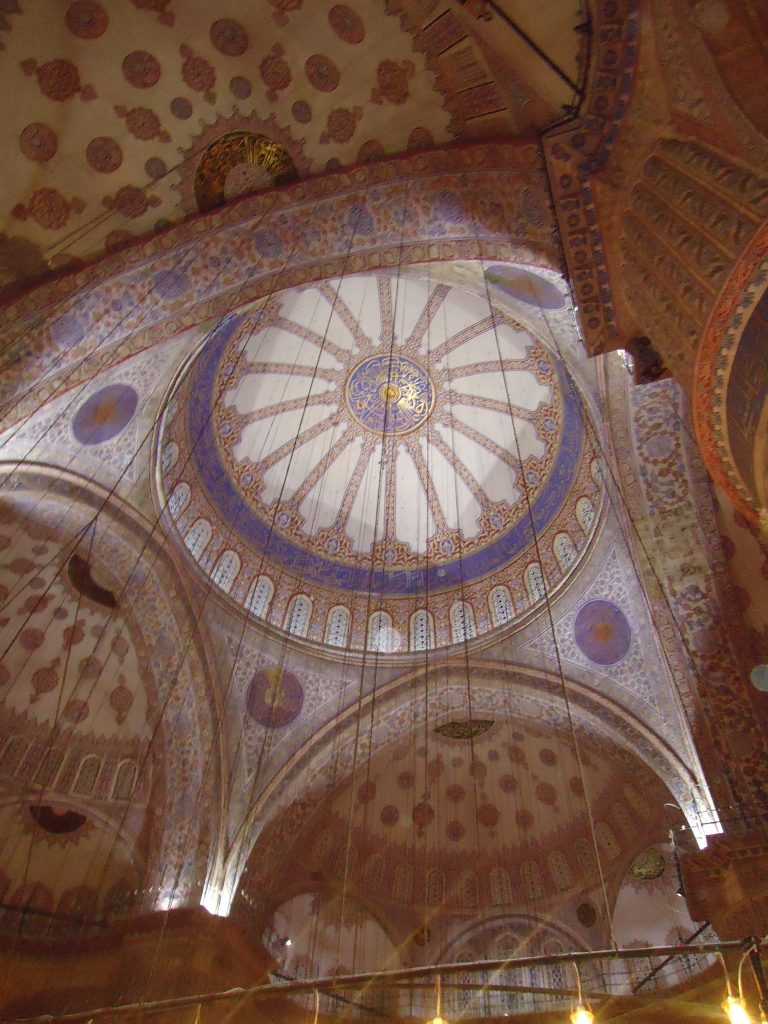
(374, 871)
(422, 631)
(607, 839)
(178, 499)
(586, 854)
(345, 863)
(501, 887)
(585, 514)
(402, 887)
(86, 778)
(13, 752)
(635, 798)
(337, 626)
(534, 583)
(435, 887)
(623, 819)
(322, 847)
(565, 551)
(48, 767)
(560, 870)
(468, 889)
(124, 780)
(380, 632)
(462, 622)
(297, 616)
(260, 597)
(226, 570)
(533, 883)
(197, 536)
(500, 603)
(170, 456)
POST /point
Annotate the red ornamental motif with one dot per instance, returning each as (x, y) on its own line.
(31, 639)
(104, 155)
(159, 7)
(341, 124)
(38, 142)
(546, 793)
(76, 711)
(392, 81)
(199, 75)
(58, 79)
(347, 25)
(229, 37)
(275, 72)
(86, 19)
(120, 700)
(49, 208)
(130, 201)
(322, 74)
(423, 813)
(116, 239)
(370, 150)
(282, 8)
(143, 123)
(420, 138)
(44, 680)
(141, 69)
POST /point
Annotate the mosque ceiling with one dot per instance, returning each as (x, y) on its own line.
(379, 434)
(128, 117)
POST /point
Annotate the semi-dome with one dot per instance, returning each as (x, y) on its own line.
(361, 461)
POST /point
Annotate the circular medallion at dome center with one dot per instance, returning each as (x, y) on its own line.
(389, 394)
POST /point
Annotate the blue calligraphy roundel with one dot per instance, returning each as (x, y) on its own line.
(390, 394)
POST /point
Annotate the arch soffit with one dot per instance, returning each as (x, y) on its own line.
(493, 205)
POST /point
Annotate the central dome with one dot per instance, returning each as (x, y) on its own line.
(377, 436)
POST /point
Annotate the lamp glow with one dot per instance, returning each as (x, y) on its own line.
(581, 1015)
(736, 1010)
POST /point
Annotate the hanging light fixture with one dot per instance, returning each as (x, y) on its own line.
(582, 1014)
(735, 1007)
(438, 1019)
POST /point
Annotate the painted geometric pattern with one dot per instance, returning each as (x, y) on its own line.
(368, 433)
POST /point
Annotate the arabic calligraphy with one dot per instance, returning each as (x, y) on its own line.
(390, 394)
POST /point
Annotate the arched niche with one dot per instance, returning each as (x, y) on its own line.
(144, 692)
(291, 814)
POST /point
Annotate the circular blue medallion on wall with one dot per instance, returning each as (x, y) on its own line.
(105, 414)
(602, 632)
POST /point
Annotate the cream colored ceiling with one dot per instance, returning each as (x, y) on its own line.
(113, 103)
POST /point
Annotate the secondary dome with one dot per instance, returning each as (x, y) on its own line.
(358, 461)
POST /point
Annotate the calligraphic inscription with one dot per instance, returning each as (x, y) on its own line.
(390, 394)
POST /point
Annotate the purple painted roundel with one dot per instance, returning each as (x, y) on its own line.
(602, 632)
(105, 414)
(275, 698)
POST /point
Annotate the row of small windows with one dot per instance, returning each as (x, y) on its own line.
(535, 879)
(42, 769)
(380, 636)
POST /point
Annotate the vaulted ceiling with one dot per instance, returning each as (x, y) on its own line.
(129, 116)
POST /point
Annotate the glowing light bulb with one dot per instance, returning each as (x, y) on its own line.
(581, 1015)
(736, 1010)
(437, 1020)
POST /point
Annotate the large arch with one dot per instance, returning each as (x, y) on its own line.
(493, 204)
(183, 809)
